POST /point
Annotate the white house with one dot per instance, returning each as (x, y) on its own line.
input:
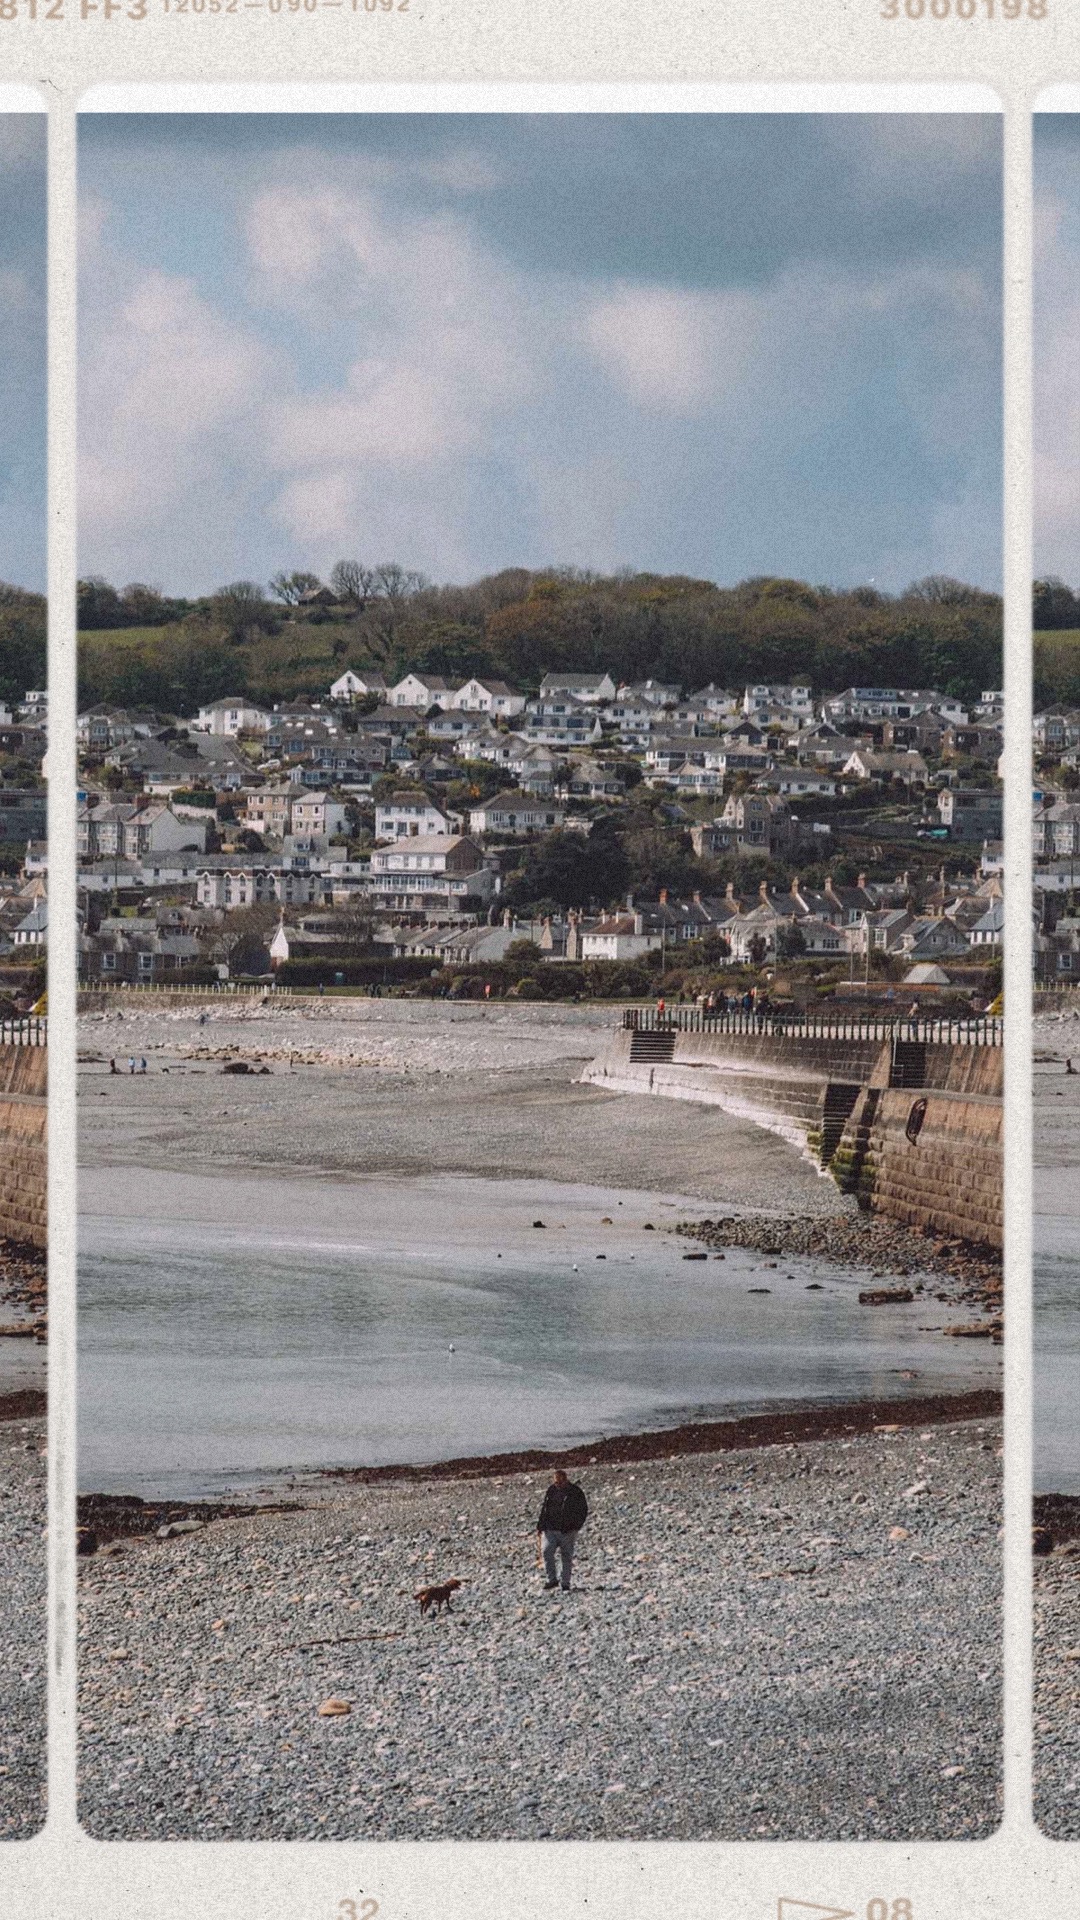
(410, 815)
(156, 829)
(421, 690)
(795, 702)
(618, 936)
(596, 689)
(230, 717)
(866, 763)
(561, 720)
(34, 930)
(316, 813)
(352, 686)
(488, 696)
(439, 871)
(514, 812)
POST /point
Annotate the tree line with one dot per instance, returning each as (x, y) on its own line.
(518, 624)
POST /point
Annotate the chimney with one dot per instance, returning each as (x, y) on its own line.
(729, 892)
(630, 903)
(639, 923)
(861, 881)
(763, 893)
(663, 896)
(696, 897)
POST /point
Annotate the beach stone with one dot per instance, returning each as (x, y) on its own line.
(334, 1708)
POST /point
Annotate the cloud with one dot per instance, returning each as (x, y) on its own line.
(666, 348)
(1057, 361)
(352, 357)
(22, 362)
(170, 396)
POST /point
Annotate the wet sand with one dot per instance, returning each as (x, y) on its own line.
(415, 1087)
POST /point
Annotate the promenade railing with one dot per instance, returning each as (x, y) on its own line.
(33, 1031)
(226, 989)
(975, 1030)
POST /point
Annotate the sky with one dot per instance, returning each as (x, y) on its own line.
(22, 358)
(705, 344)
(1057, 346)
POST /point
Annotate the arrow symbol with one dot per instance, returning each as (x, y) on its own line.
(798, 1909)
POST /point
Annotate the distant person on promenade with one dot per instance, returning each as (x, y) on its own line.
(562, 1517)
(131, 1063)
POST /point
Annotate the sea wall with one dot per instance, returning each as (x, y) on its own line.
(23, 1144)
(832, 1098)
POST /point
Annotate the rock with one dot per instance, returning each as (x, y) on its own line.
(885, 1296)
(695, 1256)
(607, 1221)
(538, 1223)
(916, 1490)
(179, 1526)
(759, 1289)
(333, 1708)
(899, 1533)
(1042, 1540)
(236, 1066)
(86, 1540)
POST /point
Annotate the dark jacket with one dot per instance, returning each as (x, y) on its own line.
(565, 1509)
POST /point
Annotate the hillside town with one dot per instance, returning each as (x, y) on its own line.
(405, 832)
(1056, 848)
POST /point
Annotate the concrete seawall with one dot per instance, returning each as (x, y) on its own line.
(927, 1151)
(23, 1144)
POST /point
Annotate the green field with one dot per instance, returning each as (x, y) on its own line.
(132, 666)
(1057, 668)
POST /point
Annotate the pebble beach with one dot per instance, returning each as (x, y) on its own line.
(22, 1607)
(789, 1642)
(1057, 1575)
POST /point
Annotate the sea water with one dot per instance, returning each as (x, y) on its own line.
(1057, 1352)
(239, 1327)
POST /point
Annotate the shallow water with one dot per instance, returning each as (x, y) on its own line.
(1057, 1353)
(237, 1327)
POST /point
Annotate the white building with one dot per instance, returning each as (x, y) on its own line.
(488, 696)
(795, 702)
(230, 717)
(352, 686)
(420, 690)
(156, 829)
(316, 813)
(618, 936)
(596, 689)
(514, 812)
(411, 816)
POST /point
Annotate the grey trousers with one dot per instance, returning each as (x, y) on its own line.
(563, 1543)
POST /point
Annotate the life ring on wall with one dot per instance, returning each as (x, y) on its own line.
(915, 1121)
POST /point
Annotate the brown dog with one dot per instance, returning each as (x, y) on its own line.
(437, 1597)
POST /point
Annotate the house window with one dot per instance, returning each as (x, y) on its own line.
(108, 963)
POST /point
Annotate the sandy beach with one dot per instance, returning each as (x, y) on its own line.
(413, 1087)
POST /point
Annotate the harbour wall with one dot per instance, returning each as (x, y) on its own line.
(914, 1132)
(23, 1144)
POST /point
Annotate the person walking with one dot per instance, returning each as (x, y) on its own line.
(562, 1516)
